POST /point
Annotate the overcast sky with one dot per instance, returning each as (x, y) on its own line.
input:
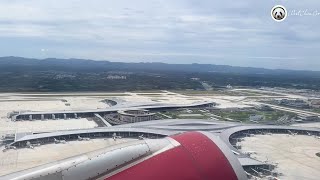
(230, 32)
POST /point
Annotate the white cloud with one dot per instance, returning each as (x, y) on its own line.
(184, 30)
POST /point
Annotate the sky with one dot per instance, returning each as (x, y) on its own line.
(226, 32)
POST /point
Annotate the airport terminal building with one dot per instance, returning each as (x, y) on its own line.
(132, 116)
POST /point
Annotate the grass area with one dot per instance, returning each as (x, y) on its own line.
(151, 95)
(274, 115)
(176, 115)
(317, 110)
(235, 115)
(255, 93)
(244, 115)
(226, 92)
(219, 93)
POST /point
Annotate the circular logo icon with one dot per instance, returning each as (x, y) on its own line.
(279, 13)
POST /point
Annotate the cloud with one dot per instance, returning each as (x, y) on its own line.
(182, 31)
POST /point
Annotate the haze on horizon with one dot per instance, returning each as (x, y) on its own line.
(179, 31)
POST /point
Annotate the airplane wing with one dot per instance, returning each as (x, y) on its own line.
(191, 155)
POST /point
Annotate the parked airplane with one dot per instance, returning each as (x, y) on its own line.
(141, 137)
(292, 133)
(249, 135)
(31, 146)
(249, 153)
(7, 147)
(83, 139)
(114, 136)
(59, 141)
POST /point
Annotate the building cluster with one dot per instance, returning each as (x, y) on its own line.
(64, 76)
(132, 116)
(315, 103)
(195, 79)
(295, 103)
(229, 86)
(116, 77)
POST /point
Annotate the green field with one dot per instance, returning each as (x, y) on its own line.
(317, 110)
(244, 115)
(208, 93)
(175, 115)
(255, 93)
(228, 115)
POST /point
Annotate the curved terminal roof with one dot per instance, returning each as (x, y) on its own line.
(226, 134)
(121, 108)
(91, 131)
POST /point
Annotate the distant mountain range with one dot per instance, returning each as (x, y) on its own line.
(14, 64)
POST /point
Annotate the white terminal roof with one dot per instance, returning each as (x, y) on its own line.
(120, 107)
